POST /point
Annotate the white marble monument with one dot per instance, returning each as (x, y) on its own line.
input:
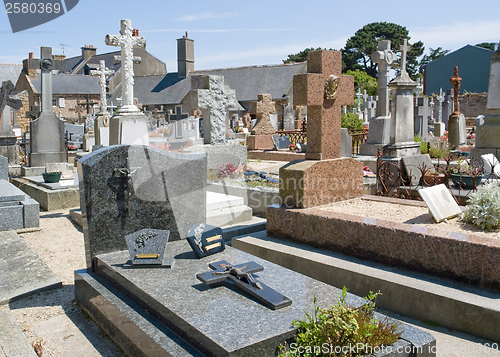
(129, 126)
(101, 121)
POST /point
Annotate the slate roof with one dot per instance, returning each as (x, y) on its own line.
(10, 72)
(248, 82)
(70, 84)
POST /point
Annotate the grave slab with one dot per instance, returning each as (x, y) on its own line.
(23, 273)
(17, 210)
(215, 321)
(441, 203)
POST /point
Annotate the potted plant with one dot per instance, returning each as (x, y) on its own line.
(51, 177)
(432, 178)
(72, 148)
(467, 175)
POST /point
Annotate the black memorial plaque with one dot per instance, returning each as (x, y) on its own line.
(147, 248)
(205, 239)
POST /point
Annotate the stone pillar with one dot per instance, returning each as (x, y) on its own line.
(488, 134)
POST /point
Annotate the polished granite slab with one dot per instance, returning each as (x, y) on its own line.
(222, 321)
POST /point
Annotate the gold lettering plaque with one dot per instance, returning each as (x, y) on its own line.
(147, 256)
(213, 246)
(211, 239)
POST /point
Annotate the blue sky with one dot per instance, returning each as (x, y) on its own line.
(234, 34)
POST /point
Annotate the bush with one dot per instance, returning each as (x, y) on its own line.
(341, 326)
(351, 121)
(483, 207)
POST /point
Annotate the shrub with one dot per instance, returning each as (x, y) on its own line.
(351, 121)
(483, 207)
(342, 326)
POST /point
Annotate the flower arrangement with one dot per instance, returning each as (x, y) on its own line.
(293, 147)
(72, 148)
(162, 146)
(164, 131)
(227, 171)
(239, 129)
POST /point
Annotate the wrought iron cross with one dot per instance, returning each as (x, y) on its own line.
(455, 82)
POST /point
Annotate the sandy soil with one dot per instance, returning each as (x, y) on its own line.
(405, 214)
(52, 319)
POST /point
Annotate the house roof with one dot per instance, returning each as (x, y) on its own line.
(10, 72)
(248, 82)
(70, 84)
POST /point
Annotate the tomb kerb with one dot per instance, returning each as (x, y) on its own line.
(324, 177)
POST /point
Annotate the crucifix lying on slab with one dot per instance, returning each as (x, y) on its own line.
(241, 276)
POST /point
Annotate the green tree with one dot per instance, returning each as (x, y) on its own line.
(487, 45)
(358, 49)
(434, 54)
(302, 55)
(363, 81)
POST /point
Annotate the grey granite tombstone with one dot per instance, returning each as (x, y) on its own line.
(47, 132)
(124, 189)
(281, 142)
(17, 209)
(345, 143)
(414, 165)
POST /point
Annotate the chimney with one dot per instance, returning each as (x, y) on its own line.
(185, 56)
(88, 51)
(135, 32)
(31, 55)
(30, 65)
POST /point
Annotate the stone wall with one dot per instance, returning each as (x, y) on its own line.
(473, 104)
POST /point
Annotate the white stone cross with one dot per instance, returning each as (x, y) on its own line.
(383, 57)
(102, 73)
(440, 100)
(211, 95)
(127, 42)
(404, 50)
(359, 96)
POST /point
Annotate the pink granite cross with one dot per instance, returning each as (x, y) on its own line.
(265, 107)
(324, 90)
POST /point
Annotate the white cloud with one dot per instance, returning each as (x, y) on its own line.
(205, 16)
(456, 35)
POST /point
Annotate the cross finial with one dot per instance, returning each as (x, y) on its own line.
(102, 73)
(404, 50)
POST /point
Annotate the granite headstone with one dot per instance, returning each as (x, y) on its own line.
(124, 189)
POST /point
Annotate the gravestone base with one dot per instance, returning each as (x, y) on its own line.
(129, 129)
(88, 141)
(260, 142)
(41, 158)
(309, 183)
(136, 306)
(439, 129)
(101, 128)
(11, 152)
(456, 133)
(487, 136)
(378, 135)
(17, 210)
(410, 148)
(222, 154)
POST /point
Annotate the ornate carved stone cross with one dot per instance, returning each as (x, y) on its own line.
(265, 107)
(455, 82)
(127, 42)
(440, 100)
(213, 97)
(324, 90)
(102, 73)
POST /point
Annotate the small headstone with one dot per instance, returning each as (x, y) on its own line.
(441, 203)
(289, 118)
(147, 247)
(205, 240)
(281, 142)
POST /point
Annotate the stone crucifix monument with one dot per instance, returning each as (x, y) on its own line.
(379, 126)
(47, 132)
(401, 136)
(488, 134)
(213, 97)
(324, 176)
(8, 138)
(101, 121)
(439, 126)
(129, 126)
(263, 131)
(456, 122)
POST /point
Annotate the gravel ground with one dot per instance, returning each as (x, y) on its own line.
(52, 319)
(405, 214)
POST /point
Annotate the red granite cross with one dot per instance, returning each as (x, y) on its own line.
(323, 115)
